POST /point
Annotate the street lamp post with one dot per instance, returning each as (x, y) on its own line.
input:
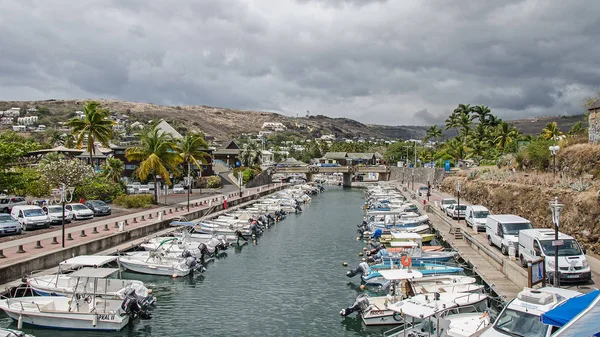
(554, 150)
(413, 179)
(63, 195)
(240, 181)
(556, 208)
(189, 186)
(458, 205)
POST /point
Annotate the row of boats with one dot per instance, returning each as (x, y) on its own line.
(87, 292)
(419, 288)
(424, 295)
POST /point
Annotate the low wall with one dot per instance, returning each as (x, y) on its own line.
(264, 178)
(51, 259)
(422, 175)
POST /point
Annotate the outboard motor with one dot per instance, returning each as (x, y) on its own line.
(186, 253)
(361, 304)
(131, 305)
(298, 208)
(239, 235)
(362, 267)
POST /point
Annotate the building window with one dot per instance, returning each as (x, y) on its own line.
(130, 167)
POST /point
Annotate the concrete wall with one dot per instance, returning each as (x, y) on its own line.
(264, 178)
(22, 268)
(422, 174)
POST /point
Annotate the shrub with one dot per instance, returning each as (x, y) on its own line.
(99, 187)
(133, 201)
(214, 182)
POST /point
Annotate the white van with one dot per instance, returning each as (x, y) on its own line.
(522, 316)
(476, 217)
(572, 264)
(502, 231)
(30, 217)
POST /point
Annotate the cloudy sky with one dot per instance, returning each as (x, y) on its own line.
(377, 61)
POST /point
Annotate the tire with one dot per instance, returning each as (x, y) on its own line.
(23, 228)
(504, 250)
(523, 262)
(490, 240)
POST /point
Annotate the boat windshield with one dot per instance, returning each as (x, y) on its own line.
(570, 247)
(481, 214)
(520, 324)
(514, 228)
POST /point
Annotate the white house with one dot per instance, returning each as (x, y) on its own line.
(12, 112)
(80, 114)
(165, 127)
(264, 134)
(328, 137)
(19, 128)
(27, 120)
(31, 110)
(275, 126)
(267, 157)
(6, 120)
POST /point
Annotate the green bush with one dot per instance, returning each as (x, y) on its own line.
(535, 155)
(134, 201)
(214, 182)
(99, 187)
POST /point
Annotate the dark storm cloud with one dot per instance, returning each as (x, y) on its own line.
(394, 62)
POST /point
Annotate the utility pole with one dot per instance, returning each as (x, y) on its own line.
(415, 151)
(458, 209)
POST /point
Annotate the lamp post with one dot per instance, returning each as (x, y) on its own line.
(189, 186)
(413, 179)
(407, 147)
(554, 150)
(63, 194)
(458, 205)
(556, 208)
(240, 181)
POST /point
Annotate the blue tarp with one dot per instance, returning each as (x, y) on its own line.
(565, 312)
(583, 325)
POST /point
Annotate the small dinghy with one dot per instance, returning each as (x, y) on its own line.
(160, 263)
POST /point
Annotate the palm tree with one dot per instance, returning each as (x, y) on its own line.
(113, 169)
(481, 113)
(251, 155)
(191, 150)
(456, 148)
(157, 154)
(551, 131)
(463, 109)
(452, 121)
(506, 133)
(465, 122)
(494, 121)
(95, 127)
(434, 132)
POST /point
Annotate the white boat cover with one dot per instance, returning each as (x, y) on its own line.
(94, 272)
(88, 260)
(400, 274)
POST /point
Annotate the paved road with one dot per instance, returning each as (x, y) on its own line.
(437, 196)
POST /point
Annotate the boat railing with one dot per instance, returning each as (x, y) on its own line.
(478, 294)
(396, 330)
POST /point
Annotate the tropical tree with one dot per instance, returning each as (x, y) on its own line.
(250, 155)
(95, 127)
(157, 154)
(464, 121)
(576, 129)
(493, 121)
(551, 131)
(506, 133)
(434, 132)
(481, 112)
(456, 148)
(191, 149)
(113, 169)
(452, 122)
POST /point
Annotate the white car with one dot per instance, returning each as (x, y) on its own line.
(178, 189)
(445, 203)
(55, 212)
(144, 189)
(80, 211)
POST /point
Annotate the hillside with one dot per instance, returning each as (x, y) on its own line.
(221, 122)
(225, 123)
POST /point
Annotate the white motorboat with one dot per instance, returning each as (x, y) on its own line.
(383, 310)
(159, 263)
(449, 322)
(67, 284)
(82, 311)
(13, 333)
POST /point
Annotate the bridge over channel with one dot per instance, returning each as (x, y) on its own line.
(347, 171)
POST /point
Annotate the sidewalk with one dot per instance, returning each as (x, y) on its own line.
(42, 244)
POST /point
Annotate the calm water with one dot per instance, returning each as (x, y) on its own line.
(292, 283)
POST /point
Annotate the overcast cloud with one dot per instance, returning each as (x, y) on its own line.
(388, 62)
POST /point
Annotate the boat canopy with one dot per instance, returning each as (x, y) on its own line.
(409, 244)
(407, 236)
(571, 309)
(420, 309)
(88, 260)
(400, 274)
(89, 272)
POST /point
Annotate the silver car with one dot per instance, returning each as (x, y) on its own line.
(8, 225)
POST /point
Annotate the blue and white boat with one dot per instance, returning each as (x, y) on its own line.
(371, 275)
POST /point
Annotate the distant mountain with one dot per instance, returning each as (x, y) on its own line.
(225, 123)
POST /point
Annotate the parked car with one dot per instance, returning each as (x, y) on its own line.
(456, 211)
(8, 225)
(30, 217)
(178, 189)
(136, 187)
(502, 231)
(476, 216)
(80, 211)
(572, 264)
(99, 207)
(55, 213)
(422, 191)
(144, 189)
(7, 204)
(444, 203)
